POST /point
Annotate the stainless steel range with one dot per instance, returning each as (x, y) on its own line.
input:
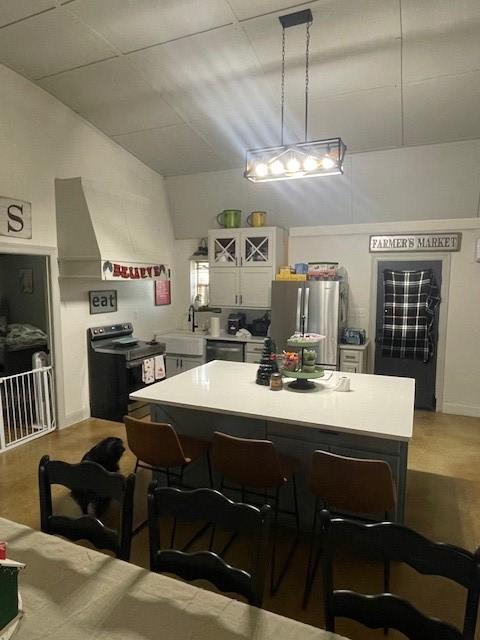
(115, 367)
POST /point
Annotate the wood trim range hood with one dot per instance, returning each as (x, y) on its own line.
(105, 235)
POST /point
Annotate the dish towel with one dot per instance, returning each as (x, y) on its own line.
(411, 299)
(159, 368)
(148, 371)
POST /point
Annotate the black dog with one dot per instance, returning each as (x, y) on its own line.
(107, 453)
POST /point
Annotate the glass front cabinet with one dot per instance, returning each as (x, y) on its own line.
(243, 263)
(224, 248)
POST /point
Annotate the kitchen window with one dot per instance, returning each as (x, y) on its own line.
(199, 282)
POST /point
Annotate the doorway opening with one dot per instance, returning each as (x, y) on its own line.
(27, 407)
(408, 303)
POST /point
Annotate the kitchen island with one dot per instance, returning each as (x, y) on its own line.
(373, 420)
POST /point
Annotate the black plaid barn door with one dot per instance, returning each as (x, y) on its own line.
(408, 300)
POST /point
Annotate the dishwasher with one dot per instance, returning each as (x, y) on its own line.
(225, 350)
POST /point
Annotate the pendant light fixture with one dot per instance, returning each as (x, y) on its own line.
(307, 159)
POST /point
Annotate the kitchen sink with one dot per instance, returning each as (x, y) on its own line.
(182, 342)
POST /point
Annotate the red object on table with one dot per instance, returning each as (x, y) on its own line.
(3, 550)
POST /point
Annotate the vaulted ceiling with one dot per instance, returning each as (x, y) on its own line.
(188, 85)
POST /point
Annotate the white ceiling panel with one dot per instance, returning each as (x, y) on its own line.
(365, 120)
(339, 30)
(442, 109)
(247, 99)
(49, 43)
(245, 9)
(367, 69)
(354, 46)
(200, 61)
(113, 96)
(172, 150)
(131, 114)
(12, 10)
(231, 138)
(441, 37)
(101, 83)
(132, 25)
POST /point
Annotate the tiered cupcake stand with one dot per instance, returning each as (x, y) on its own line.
(303, 379)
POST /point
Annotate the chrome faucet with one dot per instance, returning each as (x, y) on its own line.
(191, 317)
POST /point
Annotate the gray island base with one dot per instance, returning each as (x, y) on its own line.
(374, 420)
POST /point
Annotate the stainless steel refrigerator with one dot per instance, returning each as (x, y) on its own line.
(315, 306)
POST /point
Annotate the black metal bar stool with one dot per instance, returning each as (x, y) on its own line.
(159, 448)
(348, 485)
(256, 465)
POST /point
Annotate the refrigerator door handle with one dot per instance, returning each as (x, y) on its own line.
(299, 305)
(305, 310)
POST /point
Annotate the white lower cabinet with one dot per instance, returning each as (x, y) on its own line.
(253, 352)
(353, 359)
(241, 287)
(176, 364)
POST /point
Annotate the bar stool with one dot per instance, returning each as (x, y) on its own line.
(348, 484)
(159, 448)
(255, 464)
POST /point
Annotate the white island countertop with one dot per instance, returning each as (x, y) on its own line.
(376, 406)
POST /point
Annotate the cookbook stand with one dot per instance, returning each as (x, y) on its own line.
(302, 378)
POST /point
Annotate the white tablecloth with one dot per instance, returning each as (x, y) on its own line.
(73, 593)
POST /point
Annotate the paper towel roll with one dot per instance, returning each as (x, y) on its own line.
(215, 327)
(343, 384)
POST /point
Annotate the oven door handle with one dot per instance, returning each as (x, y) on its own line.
(133, 364)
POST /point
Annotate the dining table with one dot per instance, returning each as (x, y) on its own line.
(76, 593)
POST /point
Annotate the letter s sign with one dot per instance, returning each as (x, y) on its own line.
(15, 218)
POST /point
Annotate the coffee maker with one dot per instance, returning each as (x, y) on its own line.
(236, 321)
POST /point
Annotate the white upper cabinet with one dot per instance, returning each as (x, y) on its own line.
(257, 247)
(243, 263)
(224, 248)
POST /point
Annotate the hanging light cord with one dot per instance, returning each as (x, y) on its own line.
(307, 78)
(283, 83)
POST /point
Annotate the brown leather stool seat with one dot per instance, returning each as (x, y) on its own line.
(354, 485)
(256, 464)
(159, 448)
(157, 445)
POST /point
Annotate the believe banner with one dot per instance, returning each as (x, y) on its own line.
(134, 271)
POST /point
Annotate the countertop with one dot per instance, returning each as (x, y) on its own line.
(230, 338)
(206, 336)
(355, 347)
(377, 406)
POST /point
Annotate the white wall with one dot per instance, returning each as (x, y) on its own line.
(439, 181)
(43, 140)
(348, 244)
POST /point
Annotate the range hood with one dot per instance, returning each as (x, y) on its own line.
(106, 235)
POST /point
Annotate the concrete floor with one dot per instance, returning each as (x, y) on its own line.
(442, 503)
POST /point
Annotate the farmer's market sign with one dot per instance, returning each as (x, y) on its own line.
(416, 242)
(15, 218)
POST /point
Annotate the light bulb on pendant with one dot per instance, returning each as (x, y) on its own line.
(310, 164)
(327, 163)
(277, 168)
(261, 170)
(293, 165)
